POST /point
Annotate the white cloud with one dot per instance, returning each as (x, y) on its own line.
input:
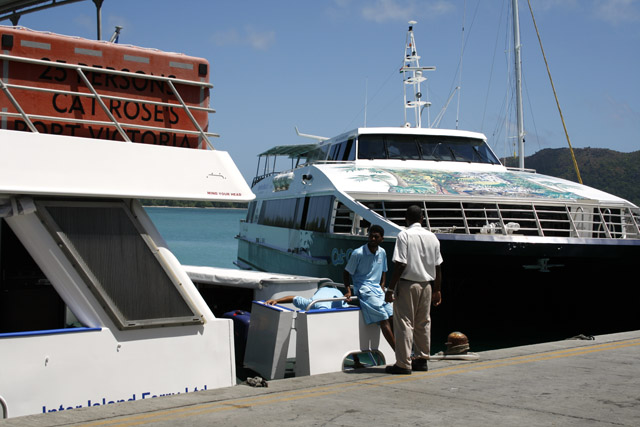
(544, 5)
(259, 40)
(405, 10)
(617, 11)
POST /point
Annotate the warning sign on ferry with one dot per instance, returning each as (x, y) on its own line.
(144, 90)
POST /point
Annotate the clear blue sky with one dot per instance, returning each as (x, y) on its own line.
(284, 63)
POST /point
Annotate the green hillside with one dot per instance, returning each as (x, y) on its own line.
(607, 170)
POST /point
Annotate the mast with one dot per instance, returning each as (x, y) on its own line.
(518, 70)
(411, 66)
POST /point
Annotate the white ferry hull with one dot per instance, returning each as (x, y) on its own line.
(66, 369)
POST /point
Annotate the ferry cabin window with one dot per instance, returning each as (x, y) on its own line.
(371, 147)
(318, 213)
(342, 151)
(425, 147)
(251, 211)
(319, 153)
(303, 213)
(119, 262)
(280, 213)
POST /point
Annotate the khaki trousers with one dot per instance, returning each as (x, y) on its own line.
(412, 321)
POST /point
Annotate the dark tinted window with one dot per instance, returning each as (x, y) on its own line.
(404, 147)
(319, 213)
(342, 151)
(279, 213)
(371, 147)
(425, 147)
(310, 213)
(251, 211)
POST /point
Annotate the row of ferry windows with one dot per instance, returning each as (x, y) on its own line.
(302, 213)
(408, 147)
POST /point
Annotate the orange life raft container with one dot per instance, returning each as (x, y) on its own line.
(73, 86)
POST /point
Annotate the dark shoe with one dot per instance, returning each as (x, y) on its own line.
(419, 365)
(397, 370)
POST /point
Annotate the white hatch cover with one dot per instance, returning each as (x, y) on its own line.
(40, 164)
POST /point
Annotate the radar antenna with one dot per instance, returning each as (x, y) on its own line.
(412, 77)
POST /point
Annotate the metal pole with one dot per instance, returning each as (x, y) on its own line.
(98, 4)
(518, 65)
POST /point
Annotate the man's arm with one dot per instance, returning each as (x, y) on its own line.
(398, 269)
(283, 300)
(383, 280)
(346, 278)
(436, 297)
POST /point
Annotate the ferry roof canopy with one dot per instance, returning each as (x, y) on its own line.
(14, 9)
(289, 150)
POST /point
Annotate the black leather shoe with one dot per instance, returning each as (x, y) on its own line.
(397, 370)
(419, 365)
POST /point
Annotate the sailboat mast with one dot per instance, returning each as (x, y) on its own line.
(518, 70)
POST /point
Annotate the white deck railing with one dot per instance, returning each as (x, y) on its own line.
(517, 218)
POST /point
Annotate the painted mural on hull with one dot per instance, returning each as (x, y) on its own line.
(489, 183)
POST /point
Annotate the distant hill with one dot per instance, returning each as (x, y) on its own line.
(607, 170)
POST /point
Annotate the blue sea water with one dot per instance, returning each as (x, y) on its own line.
(199, 236)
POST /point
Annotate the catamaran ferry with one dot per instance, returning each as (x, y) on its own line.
(524, 254)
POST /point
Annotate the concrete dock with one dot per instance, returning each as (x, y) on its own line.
(573, 382)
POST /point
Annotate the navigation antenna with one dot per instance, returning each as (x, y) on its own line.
(412, 77)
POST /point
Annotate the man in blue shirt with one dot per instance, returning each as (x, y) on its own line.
(367, 269)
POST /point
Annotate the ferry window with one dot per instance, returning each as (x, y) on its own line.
(319, 153)
(318, 213)
(463, 153)
(342, 152)
(349, 151)
(333, 153)
(301, 212)
(439, 150)
(371, 147)
(425, 147)
(119, 262)
(482, 153)
(250, 211)
(402, 147)
(429, 150)
(279, 213)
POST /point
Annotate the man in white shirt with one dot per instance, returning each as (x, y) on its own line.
(415, 285)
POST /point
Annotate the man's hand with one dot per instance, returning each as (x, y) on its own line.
(436, 298)
(271, 302)
(388, 296)
(348, 294)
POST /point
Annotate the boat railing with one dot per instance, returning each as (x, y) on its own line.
(10, 90)
(515, 169)
(259, 178)
(530, 219)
